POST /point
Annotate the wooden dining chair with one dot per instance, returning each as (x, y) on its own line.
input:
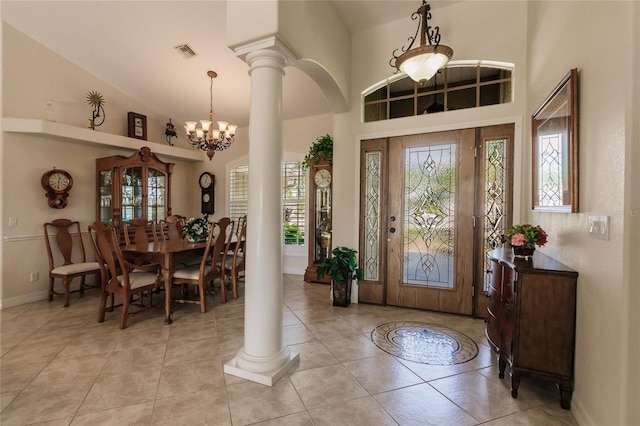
(208, 270)
(61, 263)
(140, 230)
(171, 228)
(122, 277)
(234, 261)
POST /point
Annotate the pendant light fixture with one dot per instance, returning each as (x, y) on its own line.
(422, 62)
(205, 137)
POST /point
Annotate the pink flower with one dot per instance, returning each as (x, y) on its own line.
(517, 240)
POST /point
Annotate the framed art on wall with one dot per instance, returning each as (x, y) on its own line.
(554, 138)
(137, 126)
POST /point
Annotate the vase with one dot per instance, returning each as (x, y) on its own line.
(523, 251)
(193, 239)
(341, 292)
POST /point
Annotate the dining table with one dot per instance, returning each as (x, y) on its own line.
(167, 254)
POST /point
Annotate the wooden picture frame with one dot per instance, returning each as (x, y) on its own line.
(137, 126)
(554, 140)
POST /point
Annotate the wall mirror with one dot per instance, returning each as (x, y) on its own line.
(554, 131)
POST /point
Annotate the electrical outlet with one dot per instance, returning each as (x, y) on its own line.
(13, 221)
(599, 227)
(34, 277)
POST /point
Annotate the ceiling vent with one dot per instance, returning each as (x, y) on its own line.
(185, 50)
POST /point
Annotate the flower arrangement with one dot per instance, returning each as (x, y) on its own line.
(196, 228)
(526, 235)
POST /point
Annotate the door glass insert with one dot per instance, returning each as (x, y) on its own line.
(429, 215)
(495, 198)
(372, 215)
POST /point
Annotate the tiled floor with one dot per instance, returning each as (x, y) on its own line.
(60, 366)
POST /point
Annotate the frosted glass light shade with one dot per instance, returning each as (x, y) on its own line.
(423, 62)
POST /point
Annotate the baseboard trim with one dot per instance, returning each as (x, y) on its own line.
(21, 300)
(293, 271)
(579, 413)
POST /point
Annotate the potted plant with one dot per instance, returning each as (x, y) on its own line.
(342, 269)
(322, 149)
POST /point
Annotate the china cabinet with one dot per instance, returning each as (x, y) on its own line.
(132, 187)
(531, 317)
(319, 242)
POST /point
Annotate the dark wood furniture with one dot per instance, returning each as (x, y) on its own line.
(319, 232)
(121, 277)
(65, 269)
(132, 187)
(168, 254)
(531, 319)
(208, 269)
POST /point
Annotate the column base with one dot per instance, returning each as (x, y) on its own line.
(268, 378)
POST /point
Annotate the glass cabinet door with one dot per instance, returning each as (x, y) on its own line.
(105, 193)
(132, 193)
(156, 195)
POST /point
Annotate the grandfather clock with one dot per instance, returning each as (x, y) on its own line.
(319, 233)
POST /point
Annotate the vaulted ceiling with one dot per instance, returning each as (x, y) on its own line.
(130, 45)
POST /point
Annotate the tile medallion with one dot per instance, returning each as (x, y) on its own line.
(424, 343)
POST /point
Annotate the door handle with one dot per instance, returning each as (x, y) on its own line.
(392, 230)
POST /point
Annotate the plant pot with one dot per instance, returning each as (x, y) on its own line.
(341, 292)
(523, 251)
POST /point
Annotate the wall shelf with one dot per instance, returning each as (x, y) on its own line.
(81, 135)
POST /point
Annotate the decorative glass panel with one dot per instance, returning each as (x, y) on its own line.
(429, 216)
(551, 178)
(372, 216)
(495, 198)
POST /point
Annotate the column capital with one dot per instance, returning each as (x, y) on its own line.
(266, 58)
(272, 44)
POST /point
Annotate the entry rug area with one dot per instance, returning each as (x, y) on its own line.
(424, 343)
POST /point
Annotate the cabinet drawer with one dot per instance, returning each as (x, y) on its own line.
(493, 329)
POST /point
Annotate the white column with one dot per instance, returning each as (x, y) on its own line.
(264, 359)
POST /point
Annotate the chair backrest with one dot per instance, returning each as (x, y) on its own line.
(171, 228)
(96, 251)
(64, 240)
(242, 223)
(109, 248)
(238, 252)
(139, 231)
(219, 234)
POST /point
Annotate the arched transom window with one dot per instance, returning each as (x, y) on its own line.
(459, 85)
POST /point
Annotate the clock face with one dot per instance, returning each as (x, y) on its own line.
(58, 181)
(205, 180)
(322, 178)
(206, 198)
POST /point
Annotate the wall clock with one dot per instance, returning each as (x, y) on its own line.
(57, 183)
(207, 182)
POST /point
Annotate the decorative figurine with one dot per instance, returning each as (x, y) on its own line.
(96, 100)
(170, 132)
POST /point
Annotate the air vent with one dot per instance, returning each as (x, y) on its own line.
(185, 50)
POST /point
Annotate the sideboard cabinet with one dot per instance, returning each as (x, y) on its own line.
(133, 187)
(531, 318)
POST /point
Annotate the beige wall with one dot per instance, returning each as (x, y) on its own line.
(30, 73)
(543, 39)
(562, 35)
(26, 157)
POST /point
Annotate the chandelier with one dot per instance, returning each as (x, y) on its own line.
(205, 137)
(421, 63)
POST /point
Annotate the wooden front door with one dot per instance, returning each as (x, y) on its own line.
(423, 221)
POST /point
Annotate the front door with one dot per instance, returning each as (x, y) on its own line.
(420, 236)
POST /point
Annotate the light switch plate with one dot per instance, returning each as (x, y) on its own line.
(599, 227)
